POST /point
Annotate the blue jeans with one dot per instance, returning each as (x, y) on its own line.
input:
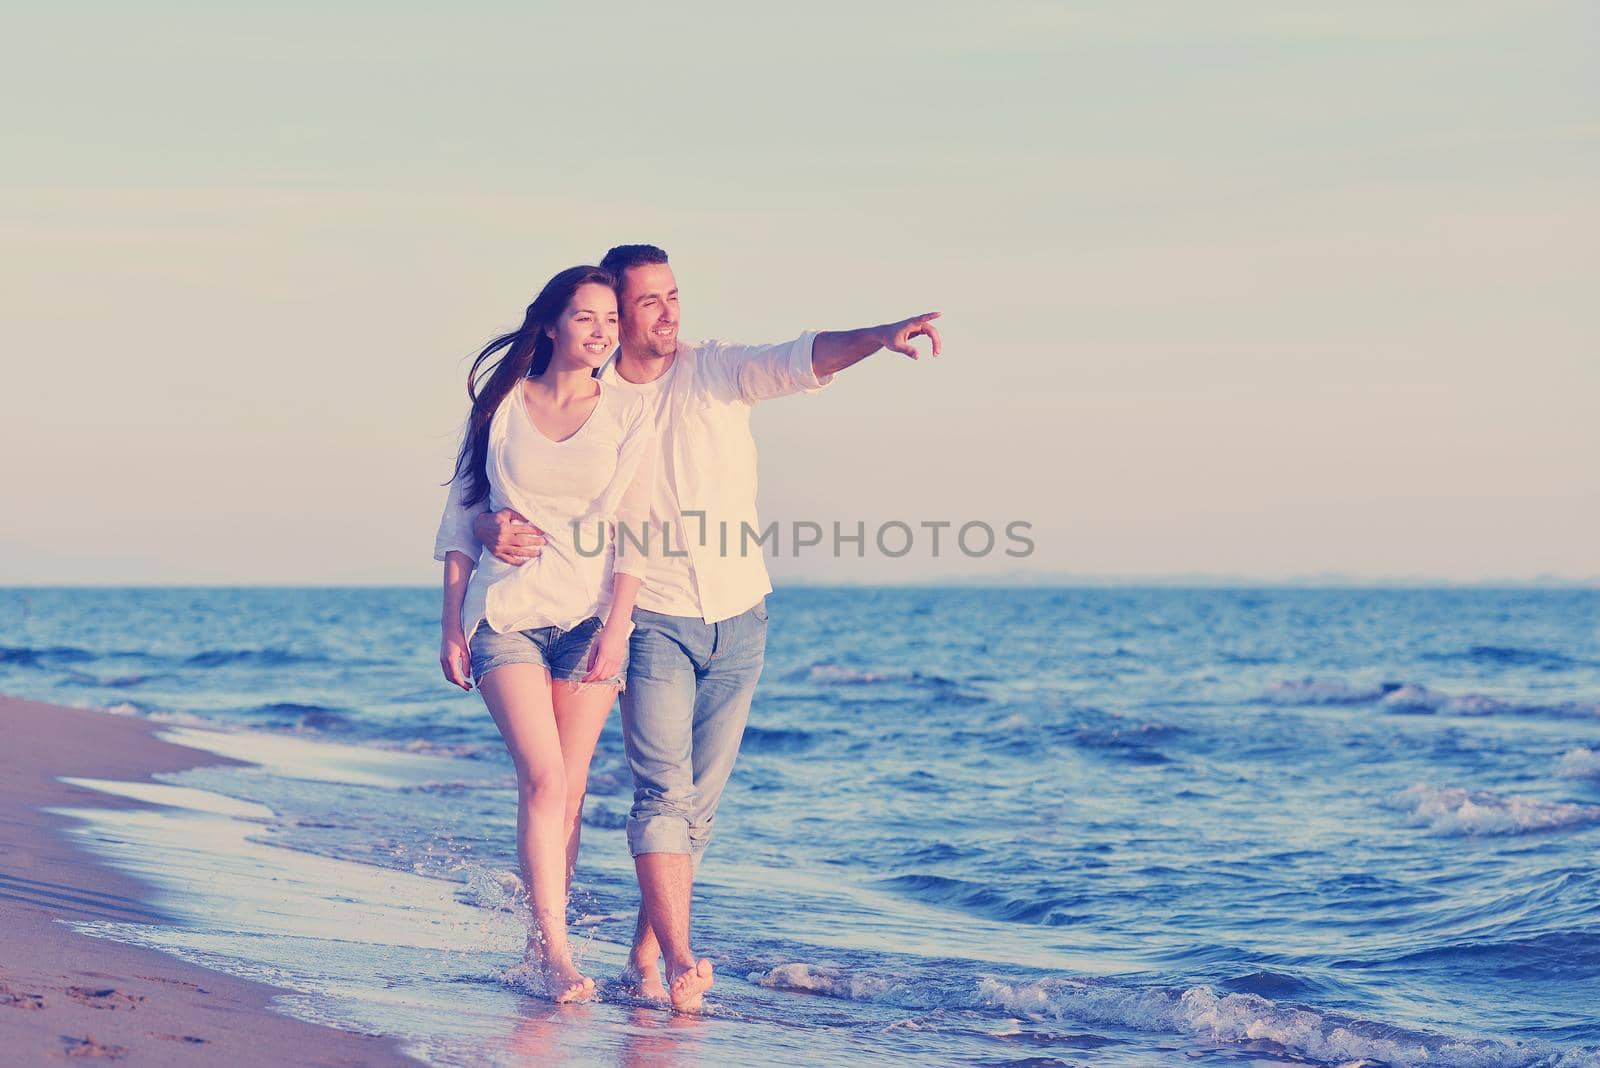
(683, 716)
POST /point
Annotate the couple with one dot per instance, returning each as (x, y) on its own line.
(595, 475)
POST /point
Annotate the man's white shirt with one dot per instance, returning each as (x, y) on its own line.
(712, 565)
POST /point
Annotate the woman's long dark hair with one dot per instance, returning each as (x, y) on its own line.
(525, 354)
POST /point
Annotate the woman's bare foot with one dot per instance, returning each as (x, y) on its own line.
(643, 983)
(690, 985)
(564, 984)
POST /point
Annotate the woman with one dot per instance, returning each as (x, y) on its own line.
(547, 642)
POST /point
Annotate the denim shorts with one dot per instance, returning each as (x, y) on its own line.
(563, 653)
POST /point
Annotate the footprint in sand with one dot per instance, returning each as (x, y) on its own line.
(88, 1047)
(175, 982)
(104, 997)
(18, 999)
(193, 1040)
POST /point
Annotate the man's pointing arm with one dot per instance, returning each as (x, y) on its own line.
(834, 350)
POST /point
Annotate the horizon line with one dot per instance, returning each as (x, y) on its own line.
(1057, 581)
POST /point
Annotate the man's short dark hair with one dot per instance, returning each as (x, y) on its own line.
(619, 259)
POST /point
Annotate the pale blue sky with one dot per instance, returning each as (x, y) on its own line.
(1253, 289)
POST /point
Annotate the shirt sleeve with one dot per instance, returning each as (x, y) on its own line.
(637, 465)
(455, 526)
(754, 373)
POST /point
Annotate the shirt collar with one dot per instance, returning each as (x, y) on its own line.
(607, 372)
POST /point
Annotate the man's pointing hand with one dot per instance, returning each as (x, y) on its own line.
(898, 336)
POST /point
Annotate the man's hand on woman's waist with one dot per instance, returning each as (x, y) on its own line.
(508, 536)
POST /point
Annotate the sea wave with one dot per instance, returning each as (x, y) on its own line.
(1311, 691)
(1416, 698)
(828, 673)
(461, 786)
(829, 980)
(1123, 736)
(831, 674)
(1413, 698)
(1512, 656)
(1579, 763)
(888, 684)
(1046, 906)
(114, 682)
(605, 817)
(1450, 810)
(784, 740)
(301, 716)
(428, 747)
(161, 715)
(1570, 954)
(33, 656)
(1324, 1037)
(1104, 733)
(252, 658)
(1198, 1011)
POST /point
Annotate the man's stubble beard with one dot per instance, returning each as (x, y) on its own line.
(653, 350)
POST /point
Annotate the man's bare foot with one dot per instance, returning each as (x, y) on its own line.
(564, 984)
(643, 983)
(690, 985)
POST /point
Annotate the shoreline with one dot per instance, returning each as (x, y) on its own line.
(69, 995)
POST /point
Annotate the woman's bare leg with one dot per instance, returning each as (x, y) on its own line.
(519, 699)
(580, 714)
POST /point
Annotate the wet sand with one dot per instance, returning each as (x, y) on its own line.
(68, 996)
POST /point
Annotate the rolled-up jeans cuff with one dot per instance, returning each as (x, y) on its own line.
(658, 834)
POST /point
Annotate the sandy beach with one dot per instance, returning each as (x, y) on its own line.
(64, 995)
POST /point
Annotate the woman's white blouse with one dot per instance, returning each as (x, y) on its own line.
(576, 491)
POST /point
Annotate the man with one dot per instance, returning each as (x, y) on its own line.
(700, 626)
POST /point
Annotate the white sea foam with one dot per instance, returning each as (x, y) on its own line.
(1202, 1012)
(839, 675)
(185, 797)
(321, 761)
(1580, 763)
(1451, 810)
(1477, 704)
(495, 890)
(1199, 1011)
(1321, 692)
(830, 980)
(1421, 699)
(1412, 698)
(180, 719)
(463, 750)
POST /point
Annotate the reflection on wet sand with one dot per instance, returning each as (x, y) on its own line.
(646, 1036)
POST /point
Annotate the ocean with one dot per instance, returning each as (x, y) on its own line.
(1107, 826)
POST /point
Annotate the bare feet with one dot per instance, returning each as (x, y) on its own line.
(643, 983)
(690, 985)
(564, 984)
